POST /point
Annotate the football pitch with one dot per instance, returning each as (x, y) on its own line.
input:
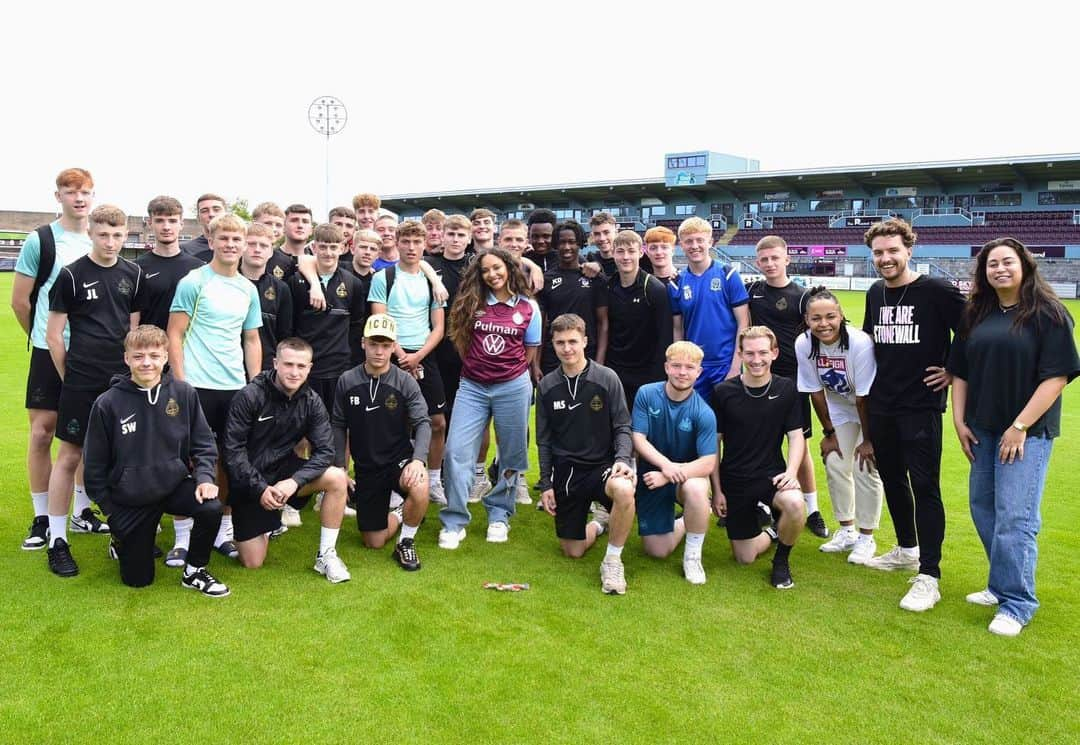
(431, 657)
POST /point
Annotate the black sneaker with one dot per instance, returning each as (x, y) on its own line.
(88, 522)
(61, 562)
(228, 549)
(817, 525)
(38, 537)
(205, 583)
(781, 576)
(405, 555)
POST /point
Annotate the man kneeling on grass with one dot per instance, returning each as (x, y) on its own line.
(149, 451)
(583, 439)
(267, 420)
(753, 413)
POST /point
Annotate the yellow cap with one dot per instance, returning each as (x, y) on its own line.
(381, 325)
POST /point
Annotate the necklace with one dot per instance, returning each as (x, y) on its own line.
(1007, 308)
(760, 395)
(885, 300)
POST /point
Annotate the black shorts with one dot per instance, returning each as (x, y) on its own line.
(743, 496)
(215, 406)
(372, 495)
(73, 413)
(449, 364)
(42, 382)
(250, 518)
(576, 488)
(325, 387)
(431, 385)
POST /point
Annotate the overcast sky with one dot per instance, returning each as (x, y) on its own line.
(214, 96)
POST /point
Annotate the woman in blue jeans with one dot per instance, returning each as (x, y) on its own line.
(1012, 358)
(495, 326)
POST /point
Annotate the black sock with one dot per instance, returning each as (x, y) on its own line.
(782, 552)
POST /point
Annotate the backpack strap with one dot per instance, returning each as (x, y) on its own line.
(391, 272)
(46, 262)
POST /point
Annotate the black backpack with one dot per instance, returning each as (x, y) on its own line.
(391, 272)
(46, 261)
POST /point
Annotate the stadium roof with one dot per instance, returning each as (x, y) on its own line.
(873, 179)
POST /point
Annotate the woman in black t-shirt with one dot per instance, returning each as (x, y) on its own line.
(1014, 355)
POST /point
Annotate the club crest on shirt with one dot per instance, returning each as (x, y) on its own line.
(341, 291)
(685, 425)
(781, 304)
(517, 318)
(270, 294)
(124, 286)
(279, 272)
(172, 408)
(391, 402)
(687, 293)
(585, 281)
(597, 403)
(714, 285)
(73, 427)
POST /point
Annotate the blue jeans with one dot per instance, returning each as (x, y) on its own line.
(508, 404)
(1005, 502)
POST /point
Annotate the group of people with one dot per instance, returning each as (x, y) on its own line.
(229, 380)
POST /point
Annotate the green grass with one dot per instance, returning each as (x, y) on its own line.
(431, 657)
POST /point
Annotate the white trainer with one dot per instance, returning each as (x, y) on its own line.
(330, 565)
(1003, 625)
(481, 485)
(451, 539)
(290, 517)
(498, 532)
(923, 594)
(864, 549)
(436, 493)
(523, 496)
(612, 577)
(896, 558)
(693, 571)
(842, 540)
(982, 597)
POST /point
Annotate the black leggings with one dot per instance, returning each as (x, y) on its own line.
(134, 530)
(908, 452)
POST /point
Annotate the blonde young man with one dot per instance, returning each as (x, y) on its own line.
(30, 301)
(709, 303)
(674, 434)
(780, 305)
(365, 250)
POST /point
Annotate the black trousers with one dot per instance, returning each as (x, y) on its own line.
(908, 452)
(134, 530)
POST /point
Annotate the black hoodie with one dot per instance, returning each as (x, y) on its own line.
(142, 442)
(263, 428)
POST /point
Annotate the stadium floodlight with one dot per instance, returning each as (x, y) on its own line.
(327, 116)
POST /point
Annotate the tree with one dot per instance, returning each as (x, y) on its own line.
(239, 207)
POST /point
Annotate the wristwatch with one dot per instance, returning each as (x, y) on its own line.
(828, 432)
(1019, 426)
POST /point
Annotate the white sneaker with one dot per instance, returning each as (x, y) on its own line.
(923, 594)
(896, 558)
(1003, 625)
(498, 532)
(865, 546)
(612, 578)
(451, 539)
(436, 493)
(982, 597)
(842, 540)
(523, 492)
(481, 486)
(693, 571)
(290, 517)
(330, 565)
(601, 515)
(349, 511)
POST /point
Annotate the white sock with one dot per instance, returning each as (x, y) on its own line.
(599, 527)
(57, 528)
(694, 542)
(434, 475)
(615, 551)
(407, 531)
(810, 497)
(182, 526)
(82, 501)
(225, 531)
(327, 538)
(41, 502)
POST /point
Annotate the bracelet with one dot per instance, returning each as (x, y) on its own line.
(828, 432)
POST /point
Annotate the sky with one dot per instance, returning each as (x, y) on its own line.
(214, 96)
